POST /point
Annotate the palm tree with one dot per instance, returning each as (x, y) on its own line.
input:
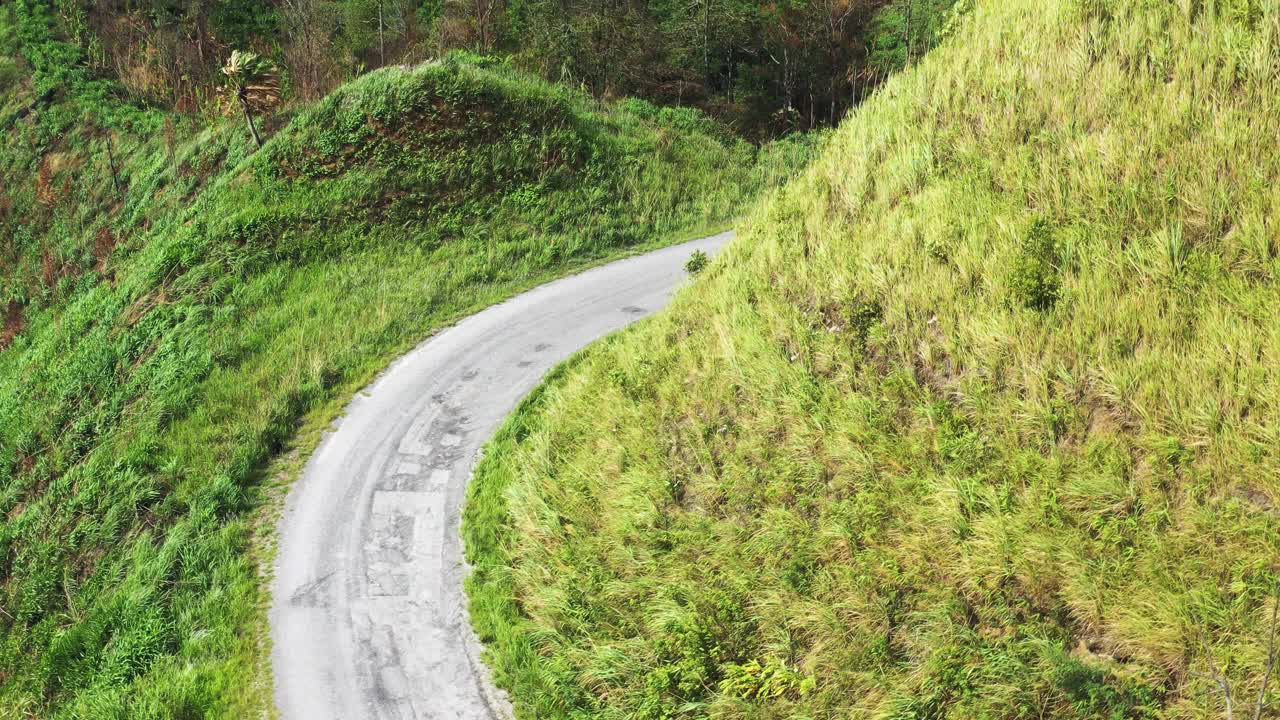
(255, 82)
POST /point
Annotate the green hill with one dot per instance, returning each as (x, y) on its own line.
(978, 419)
(181, 316)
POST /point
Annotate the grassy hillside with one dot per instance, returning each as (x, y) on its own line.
(978, 419)
(169, 330)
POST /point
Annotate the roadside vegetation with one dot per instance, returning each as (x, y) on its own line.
(176, 303)
(977, 419)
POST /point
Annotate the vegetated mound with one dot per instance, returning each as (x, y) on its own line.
(176, 307)
(977, 419)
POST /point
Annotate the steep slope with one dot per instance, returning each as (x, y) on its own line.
(977, 419)
(176, 307)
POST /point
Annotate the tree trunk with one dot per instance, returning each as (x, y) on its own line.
(248, 118)
(706, 33)
(907, 31)
(111, 162)
(382, 45)
(786, 79)
(729, 89)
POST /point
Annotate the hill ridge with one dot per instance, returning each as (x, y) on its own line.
(973, 420)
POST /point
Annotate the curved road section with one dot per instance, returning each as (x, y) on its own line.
(368, 617)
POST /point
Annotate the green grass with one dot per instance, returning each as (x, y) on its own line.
(177, 336)
(977, 419)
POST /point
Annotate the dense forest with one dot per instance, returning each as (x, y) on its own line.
(765, 67)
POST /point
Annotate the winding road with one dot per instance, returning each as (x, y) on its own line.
(368, 618)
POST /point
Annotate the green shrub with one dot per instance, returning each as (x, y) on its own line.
(1034, 280)
(765, 681)
(9, 73)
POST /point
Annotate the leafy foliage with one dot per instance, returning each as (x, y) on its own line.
(253, 80)
(255, 85)
(763, 68)
(697, 262)
(765, 681)
(1034, 280)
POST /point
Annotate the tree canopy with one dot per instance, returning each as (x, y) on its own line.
(765, 66)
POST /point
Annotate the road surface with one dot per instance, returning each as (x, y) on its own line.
(368, 617)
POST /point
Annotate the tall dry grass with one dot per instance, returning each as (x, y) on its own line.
(977, 419)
